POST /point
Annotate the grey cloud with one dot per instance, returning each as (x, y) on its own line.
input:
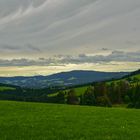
(105, 49)
(33, 48)
(117, 56)
(19, 48)
(68, 26)
(8, 47)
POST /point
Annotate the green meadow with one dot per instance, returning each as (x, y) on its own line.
(3, 88)
(40, 121)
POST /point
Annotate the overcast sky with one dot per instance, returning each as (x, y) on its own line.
(104, 35)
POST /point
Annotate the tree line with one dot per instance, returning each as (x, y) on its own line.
(102, 94)
(98, 94)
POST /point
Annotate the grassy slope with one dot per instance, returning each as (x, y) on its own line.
(131, 77)
(79, 91)
(137, 76)
(3, 88)
(33, 121)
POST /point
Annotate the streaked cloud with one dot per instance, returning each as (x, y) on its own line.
(69, 26)
(82, 31)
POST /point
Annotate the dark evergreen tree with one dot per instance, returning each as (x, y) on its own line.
(60, 97)
(88, 97)
(72, 98)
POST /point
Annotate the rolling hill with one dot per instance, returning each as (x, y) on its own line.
(4, 87)
(62, 79)
(133, 78)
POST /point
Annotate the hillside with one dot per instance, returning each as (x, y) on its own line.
(108, 93)
(54, 122)
(132, 78)
(4, 87)
(124, 91)
(65, 79)
(134, 73)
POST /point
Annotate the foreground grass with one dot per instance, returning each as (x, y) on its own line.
(34, 121)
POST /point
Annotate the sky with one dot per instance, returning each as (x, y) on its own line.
(42, 37)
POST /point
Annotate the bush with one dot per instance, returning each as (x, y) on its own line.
(103, 101)
(130, 105)
(137, 105)
(126, 99)
(72, 98)
(60, 98)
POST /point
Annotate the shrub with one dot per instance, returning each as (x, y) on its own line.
(72, 98)
(103, 101)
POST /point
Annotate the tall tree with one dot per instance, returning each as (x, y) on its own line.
(72, 98)
(88, 97)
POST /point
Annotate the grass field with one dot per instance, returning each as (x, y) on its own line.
(34, 121)
(3, 88)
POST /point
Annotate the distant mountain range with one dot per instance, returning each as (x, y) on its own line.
(62, 79)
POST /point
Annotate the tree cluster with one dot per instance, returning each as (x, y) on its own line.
(102, 94)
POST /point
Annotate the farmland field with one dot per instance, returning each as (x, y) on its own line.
(38, 121)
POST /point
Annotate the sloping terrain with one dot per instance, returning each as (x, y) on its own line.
(62, 79)
(4, 87)
(132, 78)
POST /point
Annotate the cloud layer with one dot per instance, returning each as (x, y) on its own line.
(70, 34)
(115, 56)
(67, 26)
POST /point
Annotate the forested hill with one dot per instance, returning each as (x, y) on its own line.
(66, 79)
(6, 87)
(107, 93)
(135, 73)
